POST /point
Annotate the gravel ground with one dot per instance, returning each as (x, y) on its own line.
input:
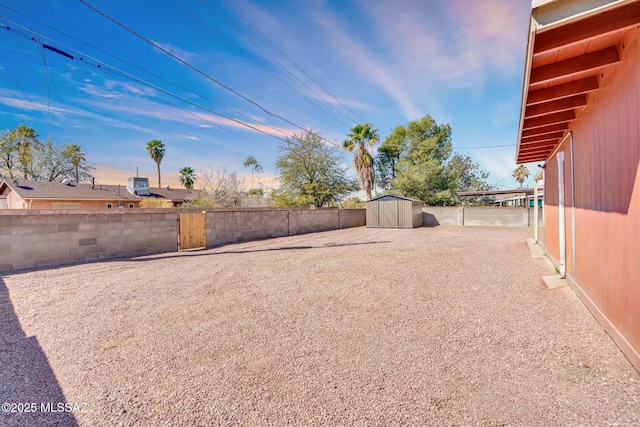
(431, 326)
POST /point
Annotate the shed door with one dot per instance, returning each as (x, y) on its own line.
(389, 214)
(192, 231)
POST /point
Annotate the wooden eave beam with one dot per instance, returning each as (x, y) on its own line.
(541, 138)
(539, 158)
(546, 129)
(535, 150)
(575, 65)
(590, 28)
(562, 91)
(563, 104)
(565, 116)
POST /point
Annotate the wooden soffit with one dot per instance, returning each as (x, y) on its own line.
(573, 45)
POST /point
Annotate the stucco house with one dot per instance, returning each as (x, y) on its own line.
(580, 119)
(24, 194)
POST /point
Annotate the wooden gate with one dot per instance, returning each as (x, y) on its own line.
(192, 231)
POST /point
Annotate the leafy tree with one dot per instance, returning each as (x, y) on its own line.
(416, 161)
(521, 173)
(360, 136)
(389, 155)
(76, 157)
(23, 142)
(156, 150)
(187, 177)
(310, 173)
(8, 154)
(252, 163)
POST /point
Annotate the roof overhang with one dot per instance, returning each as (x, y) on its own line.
(572, 45)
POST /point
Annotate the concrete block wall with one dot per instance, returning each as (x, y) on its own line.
(45, 238)
(48, 238)
(478, 216)
(227, 226)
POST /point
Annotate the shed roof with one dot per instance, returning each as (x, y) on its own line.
(393, 197)
(572, 46)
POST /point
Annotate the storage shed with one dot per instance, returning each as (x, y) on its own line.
(390, 211)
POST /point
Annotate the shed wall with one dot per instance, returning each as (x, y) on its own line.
(606, 139)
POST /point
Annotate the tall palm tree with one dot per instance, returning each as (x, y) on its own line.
(187, 177)
(254, 165)
(360, 136)
(156, 151)
(76, 157)
(521, 173)
(27, 142)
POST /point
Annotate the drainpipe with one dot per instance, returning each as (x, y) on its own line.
(561, 216)
(535, 210)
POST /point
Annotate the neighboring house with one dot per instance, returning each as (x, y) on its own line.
(23, 194)
(173, 196)
(580, 116)
(514, 197)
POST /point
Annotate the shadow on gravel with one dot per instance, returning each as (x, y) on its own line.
(29, 392)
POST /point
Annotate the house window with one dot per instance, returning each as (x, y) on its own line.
(131, 206)
(109, 205)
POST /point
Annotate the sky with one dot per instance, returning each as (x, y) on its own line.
(220, 80)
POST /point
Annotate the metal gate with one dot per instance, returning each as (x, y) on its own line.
(192, 231)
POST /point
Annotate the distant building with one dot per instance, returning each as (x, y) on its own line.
(25, 194)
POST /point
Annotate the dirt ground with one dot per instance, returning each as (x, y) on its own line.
(430, 326)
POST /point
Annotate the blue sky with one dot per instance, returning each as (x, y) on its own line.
(382, 62)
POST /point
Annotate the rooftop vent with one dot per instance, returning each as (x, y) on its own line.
(66, 181)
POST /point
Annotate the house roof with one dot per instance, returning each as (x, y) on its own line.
(57, 190)
(573, 45)
(173, 194)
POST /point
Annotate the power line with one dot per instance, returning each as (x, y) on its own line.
(197, 70)
(262, 66)
(144, 70)
(140, 80)
(485, 146)
(274, 60)
(288, 58)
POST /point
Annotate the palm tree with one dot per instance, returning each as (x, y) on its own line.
(27, 141)
(76, 157)
(362, 135)
(521, 173)
(156, 151)
(187, 177)
(255, 167)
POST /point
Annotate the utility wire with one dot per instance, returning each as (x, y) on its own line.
(274, 60)
(140, 80)
(485, 146)
(4, 66)
(123, 61)
(197, 70)
(289, 59)
(195, 15)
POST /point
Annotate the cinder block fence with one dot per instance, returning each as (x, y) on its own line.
(31, 239)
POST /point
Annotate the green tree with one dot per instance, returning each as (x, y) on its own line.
(8, 154)
(388, 157)
(187, 177)
(360, 136)
(521, 173)
(310, 173)
(252, 163)
(76, 157)
(156, 150)
(462, 174)
(27, 142)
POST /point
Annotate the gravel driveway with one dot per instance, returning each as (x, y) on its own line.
(431, 326)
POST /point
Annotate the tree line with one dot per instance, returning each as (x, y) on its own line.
(24, 155)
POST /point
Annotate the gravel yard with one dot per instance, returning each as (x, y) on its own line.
(430, 326)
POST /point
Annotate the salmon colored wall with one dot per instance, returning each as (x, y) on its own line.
(84, 204)
(606, 139)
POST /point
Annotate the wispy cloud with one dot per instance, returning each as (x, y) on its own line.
(177, 51)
